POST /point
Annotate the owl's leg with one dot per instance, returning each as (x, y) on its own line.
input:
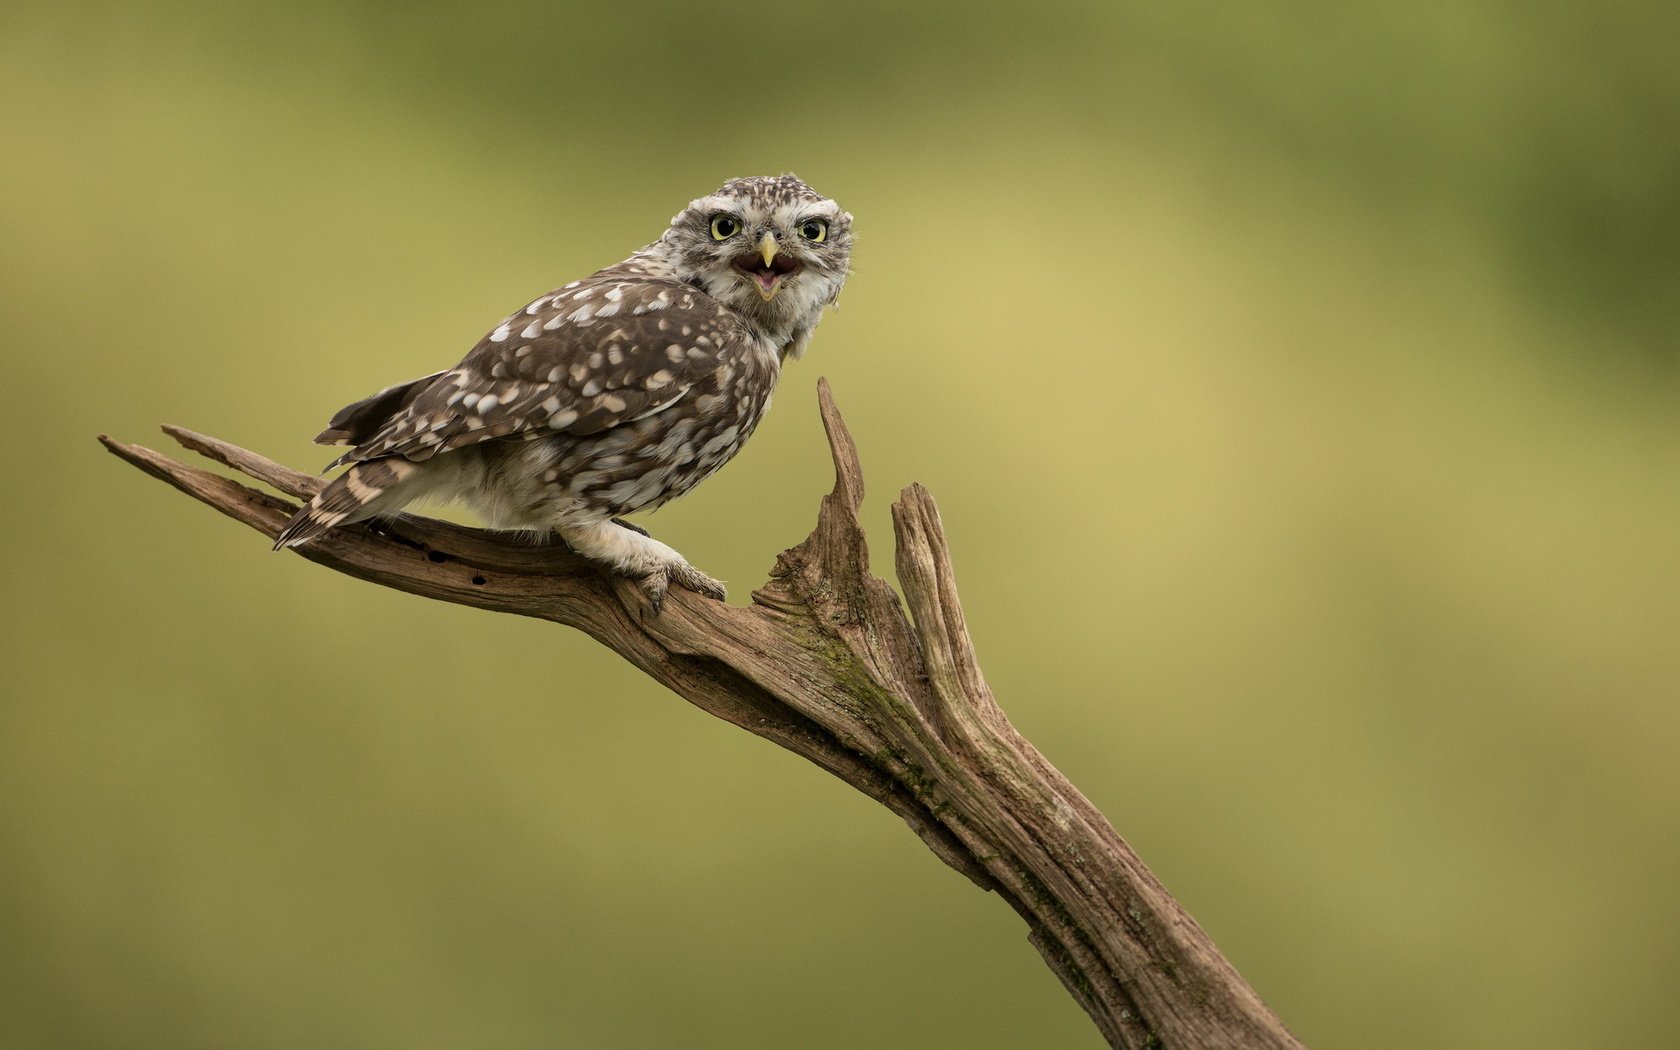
(639, 556)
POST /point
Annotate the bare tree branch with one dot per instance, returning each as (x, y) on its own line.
(826, 663)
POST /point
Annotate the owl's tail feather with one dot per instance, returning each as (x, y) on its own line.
(361, 492)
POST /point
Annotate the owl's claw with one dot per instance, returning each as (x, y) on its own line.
(635, 557)
(655, 585)
(685, 575)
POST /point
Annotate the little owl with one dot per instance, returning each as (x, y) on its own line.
(611, 395)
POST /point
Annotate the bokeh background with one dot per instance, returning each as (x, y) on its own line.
(1298, 383)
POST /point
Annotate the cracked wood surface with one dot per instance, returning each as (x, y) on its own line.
(827, 663)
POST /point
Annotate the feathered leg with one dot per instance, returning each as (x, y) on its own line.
(631, 552)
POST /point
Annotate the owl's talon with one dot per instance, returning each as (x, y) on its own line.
(655, 587)
(657, 584)
(685, 575)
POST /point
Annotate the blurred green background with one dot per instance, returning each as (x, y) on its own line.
(1298, 384)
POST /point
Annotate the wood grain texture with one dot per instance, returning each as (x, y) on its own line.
(828, 664)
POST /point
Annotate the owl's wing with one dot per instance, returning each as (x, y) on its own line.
(580, 360)
(357, 422)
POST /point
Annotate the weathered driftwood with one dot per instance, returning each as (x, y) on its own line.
(826, 663)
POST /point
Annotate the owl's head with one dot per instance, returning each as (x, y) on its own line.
(769, 246)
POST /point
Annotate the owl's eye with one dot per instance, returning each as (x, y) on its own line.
(725, 227)
(814, 230)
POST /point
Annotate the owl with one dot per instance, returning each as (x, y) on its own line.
(611, 395)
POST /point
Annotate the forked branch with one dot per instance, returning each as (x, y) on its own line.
(826, 663)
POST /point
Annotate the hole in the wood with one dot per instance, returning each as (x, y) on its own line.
(436, 556)
(478, 581)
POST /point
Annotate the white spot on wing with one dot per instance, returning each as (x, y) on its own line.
(662, 406)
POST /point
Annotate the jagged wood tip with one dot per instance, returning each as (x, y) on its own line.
(848, 470)
(292, 482)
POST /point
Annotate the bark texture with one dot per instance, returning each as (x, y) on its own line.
(827, 663)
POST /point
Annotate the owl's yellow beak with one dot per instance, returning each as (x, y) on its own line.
(766, 266)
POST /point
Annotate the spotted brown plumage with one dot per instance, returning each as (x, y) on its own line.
(611, 395)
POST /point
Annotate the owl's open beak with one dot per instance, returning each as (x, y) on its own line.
(766, 266)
